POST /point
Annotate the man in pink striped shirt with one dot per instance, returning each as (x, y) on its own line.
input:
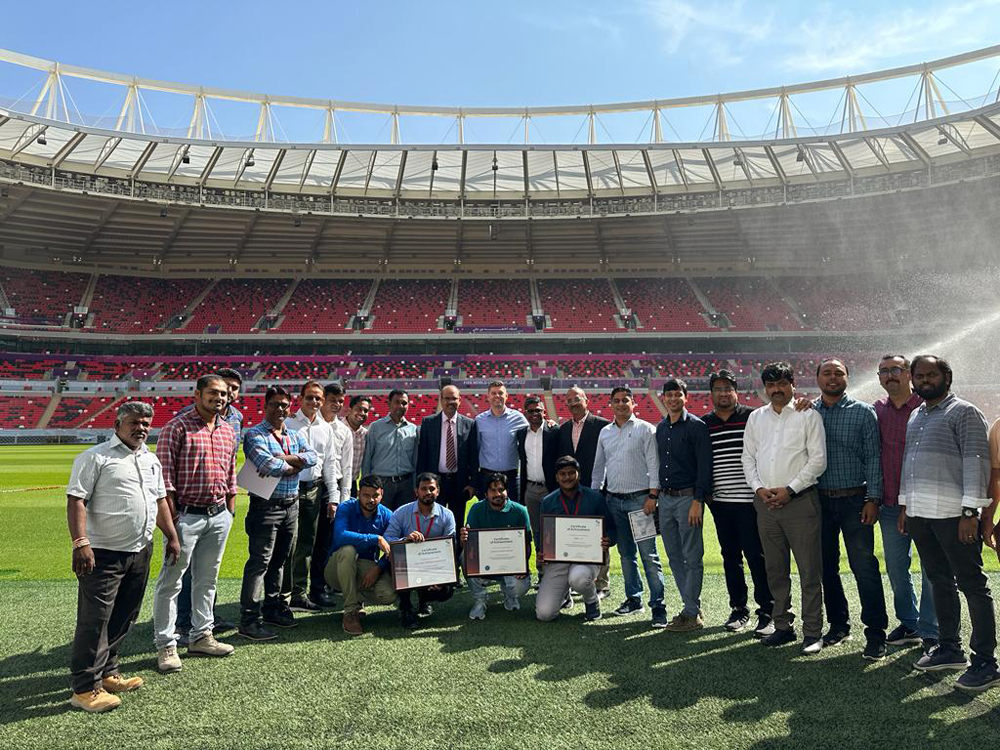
(893, 412)
(197, 450)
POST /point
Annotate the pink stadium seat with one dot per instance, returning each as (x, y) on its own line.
(494, 302)
(663, 304)
(323, 306)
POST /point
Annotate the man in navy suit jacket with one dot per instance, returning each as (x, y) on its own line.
(457, 464)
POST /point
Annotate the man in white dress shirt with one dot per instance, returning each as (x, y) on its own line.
(321, 489)
(784, 453)
(115, 496)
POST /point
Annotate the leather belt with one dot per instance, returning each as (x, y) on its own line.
(846, 492)
(274, 502)
(628, 495)
(537, 484)
(203, 510)
(678, 492)
(397, 479)
(448, 475)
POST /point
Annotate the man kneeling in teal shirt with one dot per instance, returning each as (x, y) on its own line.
(497, 511)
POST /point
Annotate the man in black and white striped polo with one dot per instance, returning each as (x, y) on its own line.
(732, 507)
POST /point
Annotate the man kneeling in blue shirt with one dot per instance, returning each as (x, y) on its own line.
(354, 567)
(422, 519)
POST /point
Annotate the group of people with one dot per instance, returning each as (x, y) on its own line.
(792, 477)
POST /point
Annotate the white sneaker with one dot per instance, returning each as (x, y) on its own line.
(511, 603)
(208, 646)
(478, 611)
(167, 660)
(763, 630)
(812, 645)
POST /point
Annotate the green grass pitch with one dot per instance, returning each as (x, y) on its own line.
(508, 682)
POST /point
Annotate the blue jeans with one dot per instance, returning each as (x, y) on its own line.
(898, 551)
(620, 508)
(842, 515)
(685, 550)
(510, 586)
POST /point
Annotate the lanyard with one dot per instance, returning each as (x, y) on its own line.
(280, 437)
(430, 523)
(576, 508)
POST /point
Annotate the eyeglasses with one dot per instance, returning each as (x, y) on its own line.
(535, 411)
(894, 370)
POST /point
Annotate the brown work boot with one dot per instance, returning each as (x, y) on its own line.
(118, 684)
(684, 624)
(352, 623)
(95, 701)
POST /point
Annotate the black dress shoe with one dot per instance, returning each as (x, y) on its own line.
(409, 619)
(323, 599)
(255, 631)
(281, 618)
(222, 625)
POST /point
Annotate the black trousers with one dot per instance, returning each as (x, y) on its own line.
(398, 493)
(271, 530)
(736, 527)
(107, 605)
(952, 566)
(443, 594)
(453, 497)
(842, 515)
(321, 548)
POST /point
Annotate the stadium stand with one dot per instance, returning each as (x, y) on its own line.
(301, 370)
(664, 304)
(139, 304)
(107, 369)
(22, 412)
(494, 302)
(502, 369)
(43, 296)
(74, 412)
(323, 306)
(750, 303)
(578, 305)
(401, 369)
(236, 305)
(594, 368)
(410, 306)
(20, 369)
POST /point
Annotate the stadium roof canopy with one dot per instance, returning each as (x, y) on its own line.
(120, 188)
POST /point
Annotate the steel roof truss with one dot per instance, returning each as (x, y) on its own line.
(586, 172)
(306, 167)
(951, 133)
(274, 169)
(143, 158)
(66, 150)
(776, 165)
(247, 155)
(399, 175)
(28, 137)
(210, 165)
(649, 170)
(916, 148)
(738, 152)
(176, 162)
(984, 122)
(106, 150)
(337, 172)
(680, 164)
(876, 148)
(842, 158)
(712, 168)
(618, 170)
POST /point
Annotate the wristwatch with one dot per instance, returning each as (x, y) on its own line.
(790, 491)
(970, 512)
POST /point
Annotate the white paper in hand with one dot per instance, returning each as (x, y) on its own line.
(642, 526)
(254, 483)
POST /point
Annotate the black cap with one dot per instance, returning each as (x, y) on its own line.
(564, 461)
(722, 375)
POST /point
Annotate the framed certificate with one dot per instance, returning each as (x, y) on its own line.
(417, 565)
(643, 527)
(573, 539)
(496, 552)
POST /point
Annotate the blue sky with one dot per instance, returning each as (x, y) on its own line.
(511, 53)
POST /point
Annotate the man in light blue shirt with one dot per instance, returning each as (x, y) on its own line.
(422, 519)
(626, 461)
(497, 430)
(391, 451)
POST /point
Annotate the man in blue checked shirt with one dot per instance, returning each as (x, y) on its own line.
(355, 566)
(850, 492)
(271, 522)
